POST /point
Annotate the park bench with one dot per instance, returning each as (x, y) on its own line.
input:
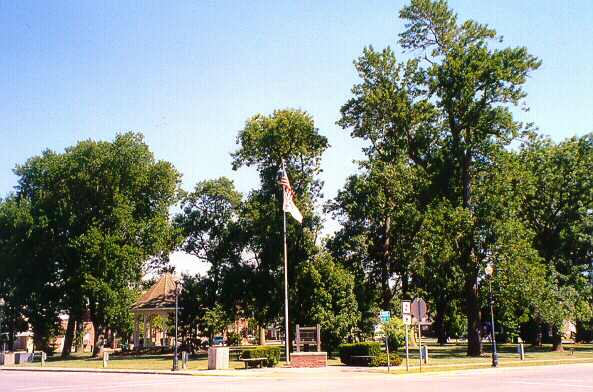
(258, 362)
(362, 360)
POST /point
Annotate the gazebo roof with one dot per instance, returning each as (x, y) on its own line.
(160, 296)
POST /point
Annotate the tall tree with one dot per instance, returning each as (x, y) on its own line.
(326, 293)
(208, 224)
(558, 208)
(445, 110)
(103, 210)
(265, 141)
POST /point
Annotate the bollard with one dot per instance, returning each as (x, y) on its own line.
(43, 358)
(184, 359)
(105, 358)
(521, 351)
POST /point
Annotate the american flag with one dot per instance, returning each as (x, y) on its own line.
(289, 194)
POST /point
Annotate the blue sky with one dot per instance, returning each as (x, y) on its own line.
(189, 73)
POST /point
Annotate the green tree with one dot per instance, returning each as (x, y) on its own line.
(326, 293)
(216, 321)
(446, 111)
(26, 267)
(263, 143)
(208, 224)
(102, 208)
(558, 208)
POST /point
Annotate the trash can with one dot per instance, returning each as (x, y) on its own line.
(218, 358)
(7, 358)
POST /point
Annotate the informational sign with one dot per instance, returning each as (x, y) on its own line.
(385, 316)
(407, 319)
(406, 307)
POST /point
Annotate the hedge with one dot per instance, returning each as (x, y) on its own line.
(347, 350)
(272, 353)
(381, 360)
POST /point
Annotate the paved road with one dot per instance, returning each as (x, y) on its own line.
(566, 378)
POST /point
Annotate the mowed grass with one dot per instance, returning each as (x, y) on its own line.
(453, 357)
(448, 357)
(134, 362)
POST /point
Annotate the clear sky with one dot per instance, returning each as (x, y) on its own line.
(189, 73)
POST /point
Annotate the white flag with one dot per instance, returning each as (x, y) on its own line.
(288, 204)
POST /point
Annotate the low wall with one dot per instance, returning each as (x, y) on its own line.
(308, 359)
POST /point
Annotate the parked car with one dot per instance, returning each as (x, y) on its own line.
(218, 341)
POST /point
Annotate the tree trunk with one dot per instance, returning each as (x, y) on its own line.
(80, 336)
(98, 340)
(557, 340)
(441, 331)
(69, 336)
(474, 342)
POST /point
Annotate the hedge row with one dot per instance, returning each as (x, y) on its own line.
(366, 354)
(381, 360)
(348, 350)
(272, 353)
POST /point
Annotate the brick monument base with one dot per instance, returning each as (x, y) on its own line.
(308, 359)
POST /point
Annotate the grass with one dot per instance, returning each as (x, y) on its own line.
(453, 357)
(441, 358)
(134, 362)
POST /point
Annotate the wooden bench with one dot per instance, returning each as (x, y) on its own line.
(366, 359)
(258, 362)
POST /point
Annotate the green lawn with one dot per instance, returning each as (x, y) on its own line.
(453, 357)
(450, 356)
(139, 362)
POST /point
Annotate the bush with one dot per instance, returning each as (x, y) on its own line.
(394, 329)
(354, 349)
(381, 360)
(272, 353)
(234, 339)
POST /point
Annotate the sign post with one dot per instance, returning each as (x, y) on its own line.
(385, 316)
(407, 317)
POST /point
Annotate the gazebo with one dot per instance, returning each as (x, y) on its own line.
(159, 300)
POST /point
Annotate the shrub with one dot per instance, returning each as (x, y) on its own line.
(272, 353)
(381, 360)
(394, 329)
(234, 338)
(348, 350)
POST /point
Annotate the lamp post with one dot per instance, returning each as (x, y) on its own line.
(489, 272)
(175, 361)
(2, 303)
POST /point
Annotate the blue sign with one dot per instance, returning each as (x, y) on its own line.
(385, 316)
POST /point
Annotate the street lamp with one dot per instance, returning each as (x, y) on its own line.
(175, 361)
(489, 272)
(2, 303)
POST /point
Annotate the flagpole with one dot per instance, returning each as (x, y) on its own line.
(287, 335)
(286, 328)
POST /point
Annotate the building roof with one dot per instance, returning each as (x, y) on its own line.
(160, 296)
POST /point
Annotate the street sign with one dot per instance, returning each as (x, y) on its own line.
(407, 319)
(405, 307)
(418, 309)
(385, 316)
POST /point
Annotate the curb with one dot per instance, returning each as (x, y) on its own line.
(81, 370)
(376, 372)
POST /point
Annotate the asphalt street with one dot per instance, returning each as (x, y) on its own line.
(566, 378)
